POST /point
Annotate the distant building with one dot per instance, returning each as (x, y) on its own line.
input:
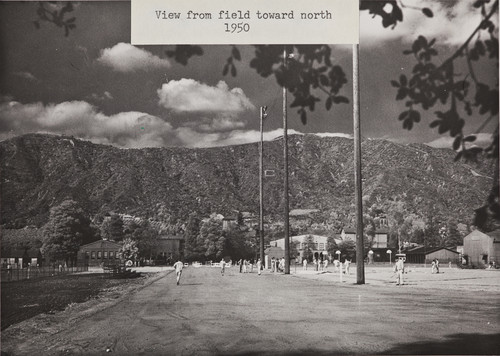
(423, 254)
(169, 247)
(19, 258)
(379, 241)
(249, 221)
(482, 248)
(319, 249)
(99, 253)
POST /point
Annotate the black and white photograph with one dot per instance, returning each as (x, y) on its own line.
(208, 198)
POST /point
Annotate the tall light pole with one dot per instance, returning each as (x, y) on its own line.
(263, 115)
(360, 265)
(285, 168)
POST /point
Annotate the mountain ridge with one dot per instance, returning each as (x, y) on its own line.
(40, 171)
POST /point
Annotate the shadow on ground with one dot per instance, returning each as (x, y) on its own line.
(455, 344)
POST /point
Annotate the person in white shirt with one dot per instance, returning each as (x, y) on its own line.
(304, 264)
(222, 266)
(178, 270)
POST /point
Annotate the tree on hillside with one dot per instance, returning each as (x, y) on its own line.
(309, 246)
(331, 245)
(129, 250)
(112, 228)
(369, 229)
(238, 245)
(193, 246)
(67, 229)
(347, 249)
(213, 238)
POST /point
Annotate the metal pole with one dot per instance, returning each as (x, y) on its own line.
(285, 168)
(261, 186)
(360, 265)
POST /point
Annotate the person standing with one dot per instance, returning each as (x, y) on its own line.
(304, 264)
(178, 270)
(222, 266)
(347, 264)
(400, 266)
(259, 266)
(437, 265)
(241, 264)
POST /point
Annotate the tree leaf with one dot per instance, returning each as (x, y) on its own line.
(427, 12)
(456, 142)
(236, 53)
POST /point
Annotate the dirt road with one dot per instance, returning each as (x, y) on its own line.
(273, 314)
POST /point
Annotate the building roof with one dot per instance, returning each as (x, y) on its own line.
(352, 230)
(276, 252)
(495, 234)
(303, 238)
(302, 212)
(20, 253)
(426, 250)
(102, 243)
(171, 237)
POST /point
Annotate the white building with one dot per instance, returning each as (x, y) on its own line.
(319, 249)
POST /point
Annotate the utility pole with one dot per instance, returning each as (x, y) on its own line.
(263, 115)
(285, 168)
(360, 264)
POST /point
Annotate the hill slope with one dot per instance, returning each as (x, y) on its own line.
(40, 171)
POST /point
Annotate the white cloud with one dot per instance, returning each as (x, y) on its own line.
(188, 95)
(482, 140)
(81, 119)
(123, 57)
(126, 129)
(26, 75)
(101, 97)
(451, 24)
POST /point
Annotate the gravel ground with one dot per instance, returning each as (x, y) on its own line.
(455, 312)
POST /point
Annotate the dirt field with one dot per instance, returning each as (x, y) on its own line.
(22, 300)
(455, 312)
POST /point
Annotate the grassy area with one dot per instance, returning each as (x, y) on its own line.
(25, 299)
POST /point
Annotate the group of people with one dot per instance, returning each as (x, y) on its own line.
(246, 266)
(278, 264)
(319, 265)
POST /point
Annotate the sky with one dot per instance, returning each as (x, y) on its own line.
(93, 84)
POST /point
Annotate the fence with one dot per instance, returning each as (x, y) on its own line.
(18, 274)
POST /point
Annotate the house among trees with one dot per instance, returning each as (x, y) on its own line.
(19, 258)
(482, 248)
(169, 248)
(99, 253)
(244, 218)
(316, 246)
(423, 254)
(380, 239)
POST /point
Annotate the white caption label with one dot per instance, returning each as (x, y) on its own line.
(157, 22)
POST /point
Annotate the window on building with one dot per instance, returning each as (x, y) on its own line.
(87, 254)
(92, 256)
(321, 246)
(111, 254)
(301, 246)
(99, 255)
(105, 255)
(117, 256)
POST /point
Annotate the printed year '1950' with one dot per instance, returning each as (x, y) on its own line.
(236, 27)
